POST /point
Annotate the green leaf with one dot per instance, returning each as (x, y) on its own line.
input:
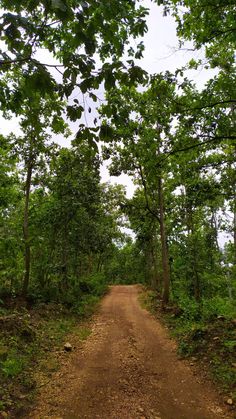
(74, 112)
(106, 133)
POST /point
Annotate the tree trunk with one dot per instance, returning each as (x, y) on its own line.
(193, 252)
(234, 228)
(164, 249)
(26, 230)
(156, 280)
(90, 263)
(100, 263)
(197, 293)
(216, 233)
(64, 285)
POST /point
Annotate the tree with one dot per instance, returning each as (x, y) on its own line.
(37, 115)
(143, 122)
(170, 137)
(10, 198)
(211, 25)
(72, 32)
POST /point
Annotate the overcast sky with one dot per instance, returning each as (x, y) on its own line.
(161, 54)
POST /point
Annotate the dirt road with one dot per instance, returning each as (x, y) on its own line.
(128, 369)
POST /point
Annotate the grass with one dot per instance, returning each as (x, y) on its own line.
(83, 333)
(12, 366)
(31, 345)
(210, 340)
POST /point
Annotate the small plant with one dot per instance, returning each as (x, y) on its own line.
(224, 374)
(230, 345)
(86, 306)
(27, 381)
(83, 333)
(12, 366)
(185, 349)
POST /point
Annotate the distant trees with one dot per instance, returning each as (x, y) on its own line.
(177, 143)
(48, 51)
(68, 227)
(178, 151)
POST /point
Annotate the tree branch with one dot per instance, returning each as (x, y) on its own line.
(180, 150)
(146, 194)
(17, 60)
(210, 105)
(25, 59)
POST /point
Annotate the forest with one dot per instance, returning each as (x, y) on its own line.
(65, 233)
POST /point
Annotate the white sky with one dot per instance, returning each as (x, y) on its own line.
(161, 54)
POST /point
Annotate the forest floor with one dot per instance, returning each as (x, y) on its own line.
(127, 368)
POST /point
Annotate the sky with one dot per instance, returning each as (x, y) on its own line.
(161, 54)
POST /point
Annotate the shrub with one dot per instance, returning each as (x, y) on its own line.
(12, 366)
(191, 309)
(218, 306)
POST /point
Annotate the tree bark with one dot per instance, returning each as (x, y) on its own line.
(164, 249)
(193, 251)
(64, 284)
(234, 229)
(26, 229)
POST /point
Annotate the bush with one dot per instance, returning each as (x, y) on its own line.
(98, 284)
(85, 307)
(218, 306)
(12, 366)
(191, 309)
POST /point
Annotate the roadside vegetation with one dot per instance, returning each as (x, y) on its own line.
(33, 345)
(62, 229)
(207, 339)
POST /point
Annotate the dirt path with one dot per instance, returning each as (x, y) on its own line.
(127, 369)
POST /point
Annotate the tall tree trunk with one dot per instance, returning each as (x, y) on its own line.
(100, 262)
(64, 284)
(211, 242)
(164, 249)
(216, 233)
(90, 263)
(26, 229)
(156, 279)
(234, 230)
(197, 293)
(193, 251)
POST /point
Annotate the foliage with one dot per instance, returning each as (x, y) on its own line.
(12, 366)
(202, 336)
(61, 228)
(206, 24)
(72, 33)
(71, 229)
(126, 265)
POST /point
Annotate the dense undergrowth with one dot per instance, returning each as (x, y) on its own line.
(32, 336)
(205, 333)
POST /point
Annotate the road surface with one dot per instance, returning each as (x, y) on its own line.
(127, 369)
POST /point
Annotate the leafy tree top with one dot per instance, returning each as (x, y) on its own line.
(74, 33)
(206, 23)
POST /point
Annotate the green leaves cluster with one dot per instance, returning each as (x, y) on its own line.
(178, 143)
(184, 138)
(208, 25)
(72, 32)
